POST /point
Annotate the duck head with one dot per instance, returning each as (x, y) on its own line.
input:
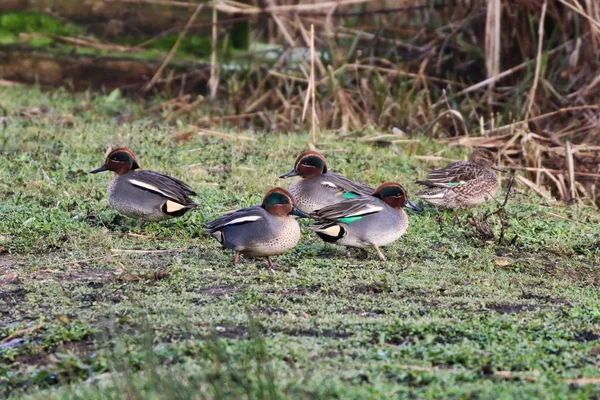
(394, 195)
(279, 202)
(308, 165)
(120, 161)
(485, 158)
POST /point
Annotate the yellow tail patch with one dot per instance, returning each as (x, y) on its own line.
(173, 206)
(333, 230)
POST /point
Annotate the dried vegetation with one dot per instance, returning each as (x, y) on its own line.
(520, 77)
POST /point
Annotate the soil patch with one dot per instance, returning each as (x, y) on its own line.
(586, 336)
(372, 288)
(314, 333)
(12, 298)
(218, 290)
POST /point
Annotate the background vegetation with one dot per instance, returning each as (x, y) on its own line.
(522, 74)
(225, 95)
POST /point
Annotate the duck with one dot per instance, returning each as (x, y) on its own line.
(144, 195)
(318, 187)
(260, 231)
(463, 184)
(365, 221)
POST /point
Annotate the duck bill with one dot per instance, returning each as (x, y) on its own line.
(289, 174)
(412, 206)
(499, 168)
(299, 213)
(102, 168)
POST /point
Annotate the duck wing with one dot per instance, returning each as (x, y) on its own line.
(451, 175)
(349, 210)
(239, 217)
(163, 185)
(345, 186)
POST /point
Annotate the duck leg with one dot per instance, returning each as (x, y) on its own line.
(271, 265)
(456, 217)
(356, 252)
(236, 258)
(348, 253)
(379, 253)
(363, 254)
(139, 223)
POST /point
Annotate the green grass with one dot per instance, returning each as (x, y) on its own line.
(192, 48)
(439, 319)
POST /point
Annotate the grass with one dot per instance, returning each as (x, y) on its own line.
(450, 315)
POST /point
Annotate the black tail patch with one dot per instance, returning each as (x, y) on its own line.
(330, 238)
(177, 213)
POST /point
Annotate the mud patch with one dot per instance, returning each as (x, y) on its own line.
(372, 288)
(586, 336)
(314, 333)
(218, 290)
(506, 308)
(545, 299)
(7, 264)
(294, 292)
(229, 331)
(85, 346)
(274, 311)
(364, 313)
(12, 298)
(94, 275)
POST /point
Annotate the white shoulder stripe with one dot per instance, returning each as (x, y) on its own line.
(249, 218)
(368, 209)
(433, 196)
(147, 186)
(329, 184)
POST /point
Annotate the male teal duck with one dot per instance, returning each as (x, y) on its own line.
(260, 231)
(144, 195)
(367, 220)
(317, 187)
(463, 184)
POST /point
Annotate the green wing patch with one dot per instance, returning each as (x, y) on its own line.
(453, 184)
(348, 220)
(349, 195)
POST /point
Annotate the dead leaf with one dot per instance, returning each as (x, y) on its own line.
(21, 332)
(128, 278)
(160, 274)
(503, 262)
(509, 375)
(184, 137)
(9, 277)
(583, 381)
(595, 351)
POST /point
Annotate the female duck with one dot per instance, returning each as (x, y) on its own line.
(365, 221)
(260, 231)
(463, 184)
(318, 187)
(145, 195)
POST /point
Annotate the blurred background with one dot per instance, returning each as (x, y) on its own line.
(519, 77)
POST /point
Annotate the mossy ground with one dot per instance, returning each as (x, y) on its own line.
(444, 317)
